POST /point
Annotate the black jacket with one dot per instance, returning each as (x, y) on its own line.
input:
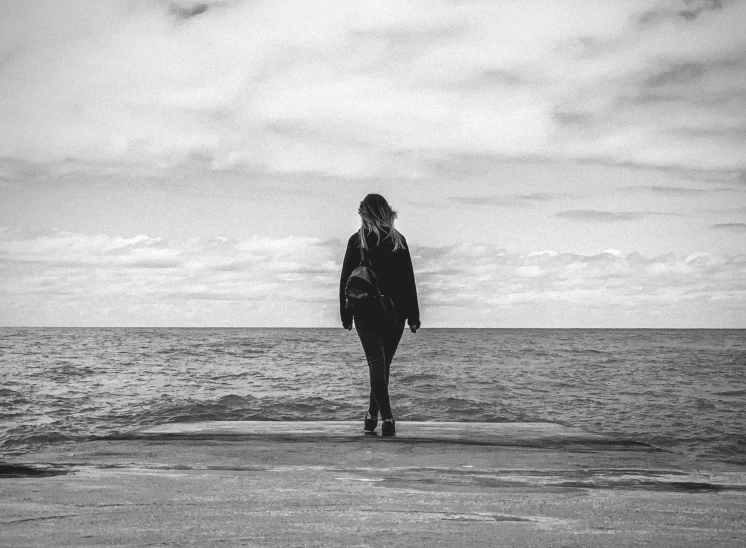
(393, 270)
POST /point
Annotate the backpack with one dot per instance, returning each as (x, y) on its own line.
(364, 297)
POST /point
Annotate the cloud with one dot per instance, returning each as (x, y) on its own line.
(484, 285)
(590, 215)
(693, 9)
(187, 11)
(729, 227)
(682, 191)
(506, 200)
(77, 279)
(344, 89)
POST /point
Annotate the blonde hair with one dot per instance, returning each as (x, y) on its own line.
(378, 217)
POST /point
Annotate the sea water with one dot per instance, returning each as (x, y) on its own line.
(680, 390)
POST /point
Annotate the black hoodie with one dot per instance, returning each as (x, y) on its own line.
(393, 270)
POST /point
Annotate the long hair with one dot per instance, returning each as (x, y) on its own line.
(378, 217)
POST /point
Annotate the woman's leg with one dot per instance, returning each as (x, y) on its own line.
(381, 347)
(390, 344)
(373, 346)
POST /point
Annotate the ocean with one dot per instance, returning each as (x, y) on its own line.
(677, 389)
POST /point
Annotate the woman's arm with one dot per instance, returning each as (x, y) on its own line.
(348, 265)
(410, 292)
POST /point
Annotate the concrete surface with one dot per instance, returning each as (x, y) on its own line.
(330, 484)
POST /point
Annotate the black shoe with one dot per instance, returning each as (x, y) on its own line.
(388, 428)
(370, 422)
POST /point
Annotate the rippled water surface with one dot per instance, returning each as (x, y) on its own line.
(683, 390)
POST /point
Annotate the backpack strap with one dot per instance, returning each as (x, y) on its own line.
(364, 257)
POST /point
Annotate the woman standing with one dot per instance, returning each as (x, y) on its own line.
(387, 251)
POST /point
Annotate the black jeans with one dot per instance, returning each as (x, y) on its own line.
(379, 345)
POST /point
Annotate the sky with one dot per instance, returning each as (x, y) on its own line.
(563, 163)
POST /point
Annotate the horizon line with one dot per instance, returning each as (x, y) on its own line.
(341, 328)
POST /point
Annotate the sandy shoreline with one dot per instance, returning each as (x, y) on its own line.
(329, 484)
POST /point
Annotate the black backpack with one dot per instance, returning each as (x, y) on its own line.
(364, 297)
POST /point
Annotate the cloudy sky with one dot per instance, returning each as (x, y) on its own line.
(563, 163)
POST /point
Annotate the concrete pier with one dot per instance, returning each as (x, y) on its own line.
(330, 484)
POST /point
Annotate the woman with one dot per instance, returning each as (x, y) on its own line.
(387, 251)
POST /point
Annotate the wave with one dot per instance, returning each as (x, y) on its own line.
(417, 377)
(101, 422)
(731, 393)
